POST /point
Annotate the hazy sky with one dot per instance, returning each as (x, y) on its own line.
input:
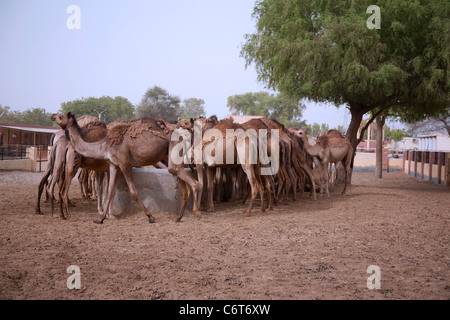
(190, 48)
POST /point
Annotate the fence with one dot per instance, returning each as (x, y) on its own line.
(11, 152)
(428, 165)
(19, 157)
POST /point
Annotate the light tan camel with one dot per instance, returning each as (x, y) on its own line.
(92, 130)
(257, 125)
(54, 170)
(127, 144)
(294, 157)
(330, 148)
(212, 148)
(198, 131)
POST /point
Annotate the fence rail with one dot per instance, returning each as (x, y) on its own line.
(428, 165)
(12, 152)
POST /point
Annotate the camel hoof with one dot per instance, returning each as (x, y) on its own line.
(151, 220)
(98, 221)
(198, 214)
(176, 220)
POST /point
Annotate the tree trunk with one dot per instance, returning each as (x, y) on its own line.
(379, 150)
(352, 135)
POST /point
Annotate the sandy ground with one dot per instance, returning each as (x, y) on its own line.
(304, 250)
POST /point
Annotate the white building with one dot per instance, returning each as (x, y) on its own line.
(434, 142)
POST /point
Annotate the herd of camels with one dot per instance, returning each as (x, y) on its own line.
(100, 151)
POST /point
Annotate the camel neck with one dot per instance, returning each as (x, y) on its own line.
(95, 150)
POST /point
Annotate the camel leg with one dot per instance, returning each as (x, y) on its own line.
(41, 189)
(182, 175)
(186, 193)
(128, 174)
(269, 191)
(99, 177)
(210, 188)
(311, 178)
(233, 185)
(248, 169)
(110, 193)
(347, 168)
(200, 179)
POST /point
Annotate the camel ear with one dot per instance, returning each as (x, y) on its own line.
(53, 117)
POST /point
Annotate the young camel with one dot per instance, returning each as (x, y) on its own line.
(330, 148)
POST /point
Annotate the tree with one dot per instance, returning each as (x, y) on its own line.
(36, 116)
(192, 108)
(158, 103)
(316, 129)
(324, 51)
(437, 124)
(104, 108)
(280, 107)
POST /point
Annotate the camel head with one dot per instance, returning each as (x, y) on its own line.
(60, 119)
(185, 124)
(63, 120)
(301, 133)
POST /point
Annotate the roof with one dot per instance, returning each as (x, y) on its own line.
(29, 127)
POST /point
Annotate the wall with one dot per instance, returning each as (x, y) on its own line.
(428, 165)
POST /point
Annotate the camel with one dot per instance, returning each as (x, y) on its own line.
(139, 142)
(258, 124)
(294, 157)
(67, 165)
(206, 124)
(127, 144)
(330, 148)
(238, 145)
(53, 172)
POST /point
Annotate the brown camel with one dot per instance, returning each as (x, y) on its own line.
(127, 144)
(295, 157)
(139, 142)
(196, 131)
(330, 148)
(214, 155)
(92, 130)
(258, 124)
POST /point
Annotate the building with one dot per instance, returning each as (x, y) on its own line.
(26, 135)
(434, 142)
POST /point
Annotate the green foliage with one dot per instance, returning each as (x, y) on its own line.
(192, 108)
(396, 134)
(34, 116)
(316, 129)
(322, 50)
(105, 108)
(158, 103)
(280, 107)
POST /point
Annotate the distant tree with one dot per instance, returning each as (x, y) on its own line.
(280, 107)
(315, 129)
(325, 52)
(105, 108)
(8, 116)
(397, 134)
(192, 108)
(437, 124)
(36, 116)
(158, 103)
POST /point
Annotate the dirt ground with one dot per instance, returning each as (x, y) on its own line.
(304, 250)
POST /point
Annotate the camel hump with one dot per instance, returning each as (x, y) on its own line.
(323, 141)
